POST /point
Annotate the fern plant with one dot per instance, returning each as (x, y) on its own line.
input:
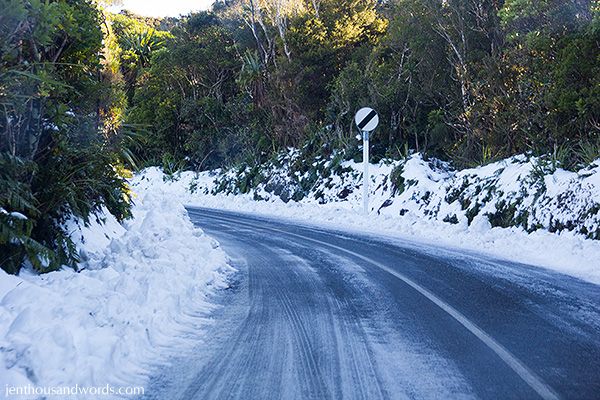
(18, 213)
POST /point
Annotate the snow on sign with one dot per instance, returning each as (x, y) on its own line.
(366, 119)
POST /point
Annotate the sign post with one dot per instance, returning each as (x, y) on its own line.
(366, 120)
(366, 176)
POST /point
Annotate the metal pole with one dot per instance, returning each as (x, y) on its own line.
(366, 177)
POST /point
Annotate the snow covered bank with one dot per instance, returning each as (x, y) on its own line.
(518, 209)
(142, 294)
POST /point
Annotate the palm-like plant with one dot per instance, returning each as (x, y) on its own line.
(251, 76)
(137, 53)
(139, 46)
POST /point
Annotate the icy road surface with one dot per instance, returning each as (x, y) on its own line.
(321, 314)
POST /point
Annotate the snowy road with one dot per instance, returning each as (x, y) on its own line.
(318, 314)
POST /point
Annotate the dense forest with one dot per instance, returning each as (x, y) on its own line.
(88, 95)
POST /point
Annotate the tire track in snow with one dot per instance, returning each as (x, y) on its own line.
(544, 390)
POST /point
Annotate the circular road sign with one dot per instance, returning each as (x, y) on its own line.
(366, 119)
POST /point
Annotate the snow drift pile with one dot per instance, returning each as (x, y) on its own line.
(143, 289)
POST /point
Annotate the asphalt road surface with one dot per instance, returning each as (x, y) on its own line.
(323, 314)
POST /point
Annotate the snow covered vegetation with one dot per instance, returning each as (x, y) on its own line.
(142, 293)
(523, 208)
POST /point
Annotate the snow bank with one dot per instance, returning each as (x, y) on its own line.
(510, 209)
(143, 293)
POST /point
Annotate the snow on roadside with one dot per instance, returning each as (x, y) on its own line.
(142, 294)
(418, 212)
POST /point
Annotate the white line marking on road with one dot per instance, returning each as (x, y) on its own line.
(534, 381)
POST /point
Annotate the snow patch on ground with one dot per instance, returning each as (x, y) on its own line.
(510, 209)
(143, 292)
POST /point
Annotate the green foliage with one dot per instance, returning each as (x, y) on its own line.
(132, 42)
(189, 97)
(171, 166)
(17, 203)
(588, 153)
(397, 180)
(469, 81)
(544, 88)
(453, 219)
(58, 159)
(504, 216)
(321, 43)
(84, 92)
